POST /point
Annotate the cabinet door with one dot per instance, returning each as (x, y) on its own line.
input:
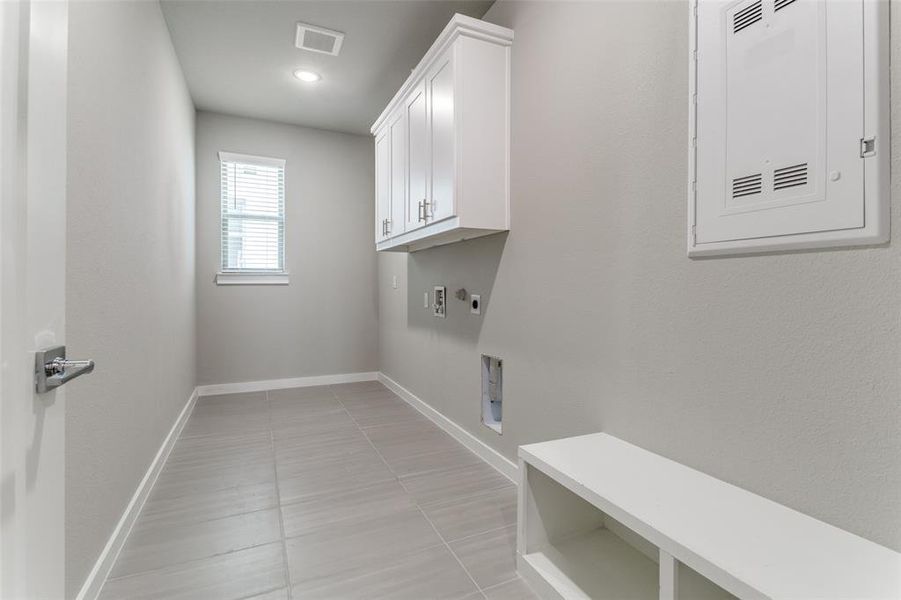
(382, 184)
(440, 91)
(418, 152)
(398, 132)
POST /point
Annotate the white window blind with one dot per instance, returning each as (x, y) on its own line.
(253, 213)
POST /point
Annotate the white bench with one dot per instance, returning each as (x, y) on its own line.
(601, 518)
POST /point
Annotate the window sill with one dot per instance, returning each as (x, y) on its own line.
(251, 279)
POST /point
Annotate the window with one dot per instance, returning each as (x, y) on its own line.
(252, 190)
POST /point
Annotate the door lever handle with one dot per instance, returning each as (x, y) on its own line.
(52, 369)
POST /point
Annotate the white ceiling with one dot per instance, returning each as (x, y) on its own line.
(239, 55)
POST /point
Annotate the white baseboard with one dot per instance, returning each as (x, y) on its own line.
(280, 384)
(504, 466)
(97, 577)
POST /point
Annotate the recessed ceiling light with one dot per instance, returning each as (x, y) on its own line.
(308, 76)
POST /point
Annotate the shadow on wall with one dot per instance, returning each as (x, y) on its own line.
(470, 265)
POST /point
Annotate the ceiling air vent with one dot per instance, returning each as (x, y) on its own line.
(747, 185)
(747, 16)
(318, 39)
(788, 177)
(780, 4)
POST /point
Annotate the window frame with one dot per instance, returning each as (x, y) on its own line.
(231, 276)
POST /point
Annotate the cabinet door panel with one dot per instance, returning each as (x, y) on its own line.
(418, 152)
(397, 215)
(440, 83)
(382, 184)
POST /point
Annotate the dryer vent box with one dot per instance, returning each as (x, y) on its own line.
(789, 125)
(492, 392)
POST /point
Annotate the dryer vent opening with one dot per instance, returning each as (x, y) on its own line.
(492, 392)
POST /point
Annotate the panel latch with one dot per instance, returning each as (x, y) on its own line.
(867, 147)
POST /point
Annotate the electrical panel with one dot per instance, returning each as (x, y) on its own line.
(789, 125)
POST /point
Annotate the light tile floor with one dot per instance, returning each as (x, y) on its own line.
(332, 492)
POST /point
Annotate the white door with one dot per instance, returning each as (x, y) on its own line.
(440, 83)
(418, 164)
(398, 133)
(382, 185)
(33, 56)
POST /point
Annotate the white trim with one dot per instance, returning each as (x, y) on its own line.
(280, 384)
(97, 577)
(238, 278)
(249, 159)
(501, 463)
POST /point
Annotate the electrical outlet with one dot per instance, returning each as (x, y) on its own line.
(394, 282)
(425, 300)
(475, 304)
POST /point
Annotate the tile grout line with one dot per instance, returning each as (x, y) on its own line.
(199, 520)
(449, 549)
(268, 435)
(474, 496)
(400, 483)
(164, 568)
(189, 561)
(418, 507)
(258, 594)
(497, 585)
(278, 500)
(487, 531)
(368, 441)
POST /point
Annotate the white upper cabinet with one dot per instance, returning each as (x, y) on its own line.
(418, 156)
(397, 131)
(790, 134)
(382, 185)
(448, 130)
(440, 86)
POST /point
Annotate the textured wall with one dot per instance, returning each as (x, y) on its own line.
(325, 320)
(130, 261)
(779, 373)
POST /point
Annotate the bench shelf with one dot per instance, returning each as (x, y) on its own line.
(601, 518)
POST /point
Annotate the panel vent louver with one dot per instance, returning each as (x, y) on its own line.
(780, 4)
(318, 39)
(788, 177)
(747, 16)
(747, 185)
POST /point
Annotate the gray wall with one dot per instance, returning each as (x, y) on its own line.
(325, 320)
(130, 264)
(779, 373)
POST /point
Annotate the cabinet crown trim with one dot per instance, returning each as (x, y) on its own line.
(459, 25)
